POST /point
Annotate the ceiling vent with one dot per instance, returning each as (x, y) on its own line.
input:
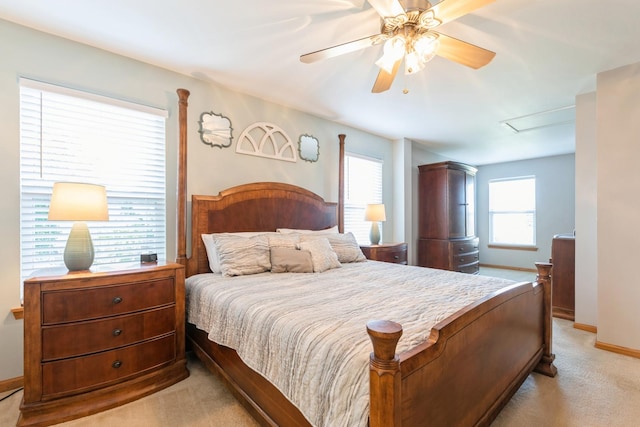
(543, 119)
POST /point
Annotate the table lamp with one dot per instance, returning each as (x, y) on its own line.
(374, 213)
(72, 201)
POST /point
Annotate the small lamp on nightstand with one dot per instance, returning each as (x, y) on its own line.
(375, 213)
(72, 201)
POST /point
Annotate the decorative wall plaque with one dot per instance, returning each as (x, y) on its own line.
(215, 130)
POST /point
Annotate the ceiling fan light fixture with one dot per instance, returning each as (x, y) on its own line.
(426, 46)
(394, 49)
(413, 63)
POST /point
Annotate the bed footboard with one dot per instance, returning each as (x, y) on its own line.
(472, 364)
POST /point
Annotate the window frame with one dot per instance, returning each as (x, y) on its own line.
(355, 207)
(515, 211)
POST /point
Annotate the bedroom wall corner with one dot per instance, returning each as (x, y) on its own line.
(402, 190)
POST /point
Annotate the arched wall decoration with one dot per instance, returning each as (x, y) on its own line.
(267, 140)
(215, 130)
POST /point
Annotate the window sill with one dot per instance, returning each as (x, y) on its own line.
(18, 313)
(514, 247)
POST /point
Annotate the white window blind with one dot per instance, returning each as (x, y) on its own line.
(67, 135)
(512, 211)
(363, 185)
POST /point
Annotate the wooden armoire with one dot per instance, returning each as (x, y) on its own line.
(446, 209)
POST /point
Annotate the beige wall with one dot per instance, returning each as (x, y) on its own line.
(618, 205)
(586, 211)
(28, 53)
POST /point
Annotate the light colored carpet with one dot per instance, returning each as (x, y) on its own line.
(593, 388)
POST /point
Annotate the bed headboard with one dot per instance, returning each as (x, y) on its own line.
(262, 206)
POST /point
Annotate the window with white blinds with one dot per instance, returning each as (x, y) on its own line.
(73, 136)
(512, 211)
(363, 185)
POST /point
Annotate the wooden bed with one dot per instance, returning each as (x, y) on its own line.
(471, 365)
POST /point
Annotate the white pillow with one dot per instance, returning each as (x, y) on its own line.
(241, 255)
(283, 240)
(333, 230)
(322, 256)
(212, 252)
(344, 245)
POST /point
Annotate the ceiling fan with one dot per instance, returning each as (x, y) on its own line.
(408, 34)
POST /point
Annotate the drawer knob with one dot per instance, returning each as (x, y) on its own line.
(117, 300)
(117, 332)
(116, 364)
(396, 257)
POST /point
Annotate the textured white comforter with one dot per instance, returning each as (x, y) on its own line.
(306, 332)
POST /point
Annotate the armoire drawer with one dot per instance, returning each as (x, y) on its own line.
(467, 258)
(466, 246)
(468, 268)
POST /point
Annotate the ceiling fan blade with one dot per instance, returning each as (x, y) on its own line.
(384, 79)
(387, 8)
(462, 52)
(341, 49)
(448, 10)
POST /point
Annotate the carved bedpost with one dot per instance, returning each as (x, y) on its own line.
(384, 374)
(341, 185)
(181, 256)
(546, 366)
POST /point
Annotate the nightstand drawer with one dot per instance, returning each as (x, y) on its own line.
(93, 303)
(76, 339)
(386, 252)
(98, 370)
(398, 256)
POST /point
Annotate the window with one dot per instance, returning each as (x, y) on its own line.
(363, 185)
(512, 211)
(67, 135)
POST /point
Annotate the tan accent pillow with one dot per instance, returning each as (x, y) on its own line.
(344, 245)
(243, 255)
(323, 257)
(291, 260)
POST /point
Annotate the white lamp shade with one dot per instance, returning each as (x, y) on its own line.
(375, 212)
(73, 201)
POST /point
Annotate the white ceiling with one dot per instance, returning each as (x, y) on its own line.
(548, 51)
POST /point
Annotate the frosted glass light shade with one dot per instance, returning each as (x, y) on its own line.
(72, 201)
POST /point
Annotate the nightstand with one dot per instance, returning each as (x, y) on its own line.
(98, 339)
(386, 252)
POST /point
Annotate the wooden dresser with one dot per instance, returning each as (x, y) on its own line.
(386, 252)
(446, 212)
(96, 340)
(563, 276)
